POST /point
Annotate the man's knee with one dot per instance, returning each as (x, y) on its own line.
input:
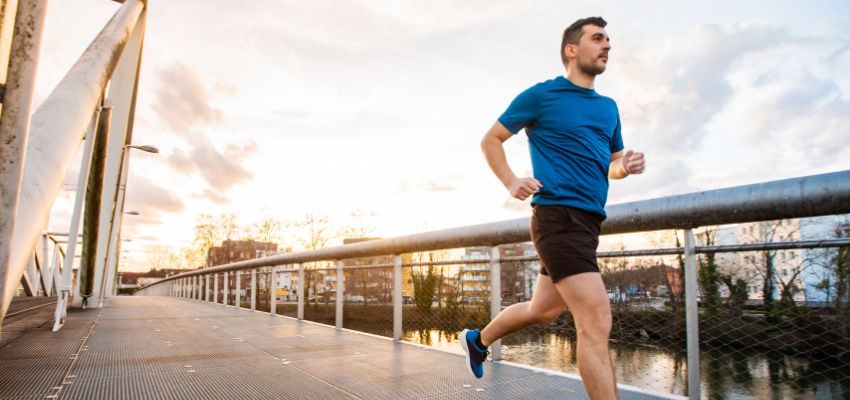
(595, 327)
(549, 316)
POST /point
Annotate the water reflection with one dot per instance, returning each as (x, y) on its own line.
(743, 374)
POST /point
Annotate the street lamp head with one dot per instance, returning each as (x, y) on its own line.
(131, 212)
(144, 147)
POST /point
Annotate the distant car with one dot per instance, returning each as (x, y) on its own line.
(407, 299)
(612, 296)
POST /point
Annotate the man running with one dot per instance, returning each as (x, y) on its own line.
(576, 146)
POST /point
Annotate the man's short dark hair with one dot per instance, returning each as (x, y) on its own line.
(573, 32)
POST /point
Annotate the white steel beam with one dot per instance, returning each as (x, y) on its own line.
(14, 129)
(57, 128)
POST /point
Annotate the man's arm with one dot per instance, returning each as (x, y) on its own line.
(625, 163)
(494, 152)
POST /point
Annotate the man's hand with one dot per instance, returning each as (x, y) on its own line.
(521, 188)
(633, 162)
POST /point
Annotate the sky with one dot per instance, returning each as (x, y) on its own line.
(280, 108)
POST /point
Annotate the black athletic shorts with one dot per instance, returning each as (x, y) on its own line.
(566, 239)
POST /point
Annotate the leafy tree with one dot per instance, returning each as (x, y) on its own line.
(709, 276)
(424, 285)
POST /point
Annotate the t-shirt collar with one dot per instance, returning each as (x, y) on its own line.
(571, 84)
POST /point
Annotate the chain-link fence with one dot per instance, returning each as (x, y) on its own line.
(795, 345)
(443, 293)
(368, 305)
(320, 293)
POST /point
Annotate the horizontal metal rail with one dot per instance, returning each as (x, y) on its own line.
(810, 196)
(803, 244)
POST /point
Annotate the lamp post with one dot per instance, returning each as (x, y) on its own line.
(117, 220)
(145, 147)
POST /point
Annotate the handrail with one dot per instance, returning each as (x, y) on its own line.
(809, 196)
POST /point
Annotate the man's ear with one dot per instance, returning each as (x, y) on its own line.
(570, 51)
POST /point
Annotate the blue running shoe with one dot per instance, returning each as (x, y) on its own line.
(475, 356)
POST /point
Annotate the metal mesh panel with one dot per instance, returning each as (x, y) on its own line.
(794, 345)
(287, 291)
(320, 293)
(264, 282)
(441, 300)
(368, 303)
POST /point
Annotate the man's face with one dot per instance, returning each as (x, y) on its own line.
(591, 53)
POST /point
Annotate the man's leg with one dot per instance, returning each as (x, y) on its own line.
(545, 306)
(587, 299)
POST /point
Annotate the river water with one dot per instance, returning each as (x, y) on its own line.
(742, 375)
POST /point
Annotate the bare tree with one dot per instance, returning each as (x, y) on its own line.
(193, 257)
(314, 231)
(764, 262)
(361, 225)
(268, 229)
(160, 257)
(207, 234)
(229, 225)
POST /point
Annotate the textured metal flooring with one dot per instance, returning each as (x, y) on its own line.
(25, 314)
(167, 348)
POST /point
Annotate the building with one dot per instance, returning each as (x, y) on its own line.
(800, 271)
(369, 285)
(238, 250)
(518, 278)
(232, 251)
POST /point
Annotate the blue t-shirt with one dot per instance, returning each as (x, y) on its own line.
(572, 132)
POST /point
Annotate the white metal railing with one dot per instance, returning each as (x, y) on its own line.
(826, 194)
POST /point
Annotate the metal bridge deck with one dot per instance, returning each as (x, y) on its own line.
(168, 348)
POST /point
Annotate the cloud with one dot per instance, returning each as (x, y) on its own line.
(180, 161)
(215, 197)
(150, 200)
(675, 94)
(224, 169)
(220, 169)
(182, 100)
(727, 99)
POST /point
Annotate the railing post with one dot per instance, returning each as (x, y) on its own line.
(301, 292)
(238, 295)
(253, 289)
(226, 289)
(273, 291)
(691, 315)
(340, 292)
(215, 288)
(495, 297)
(397, 301)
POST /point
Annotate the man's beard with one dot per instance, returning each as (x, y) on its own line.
(591, 68)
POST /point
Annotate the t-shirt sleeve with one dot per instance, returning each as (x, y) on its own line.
(522, 112)
(617, 138)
